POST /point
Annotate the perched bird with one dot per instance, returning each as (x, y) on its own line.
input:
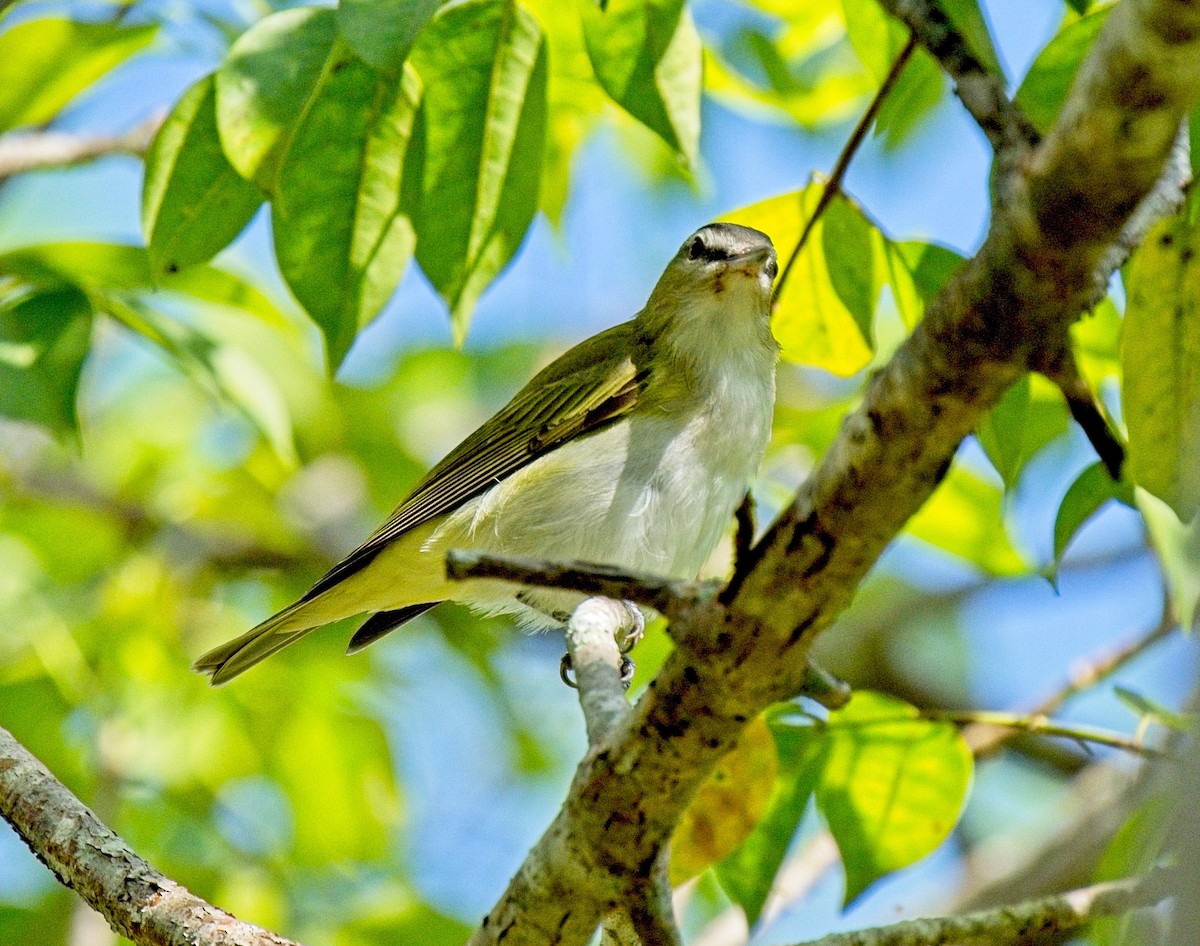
(632, 449)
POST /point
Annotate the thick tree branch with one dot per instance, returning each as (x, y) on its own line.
(1033, 276)
(1022, 924)
(37, 151)
(137, 901)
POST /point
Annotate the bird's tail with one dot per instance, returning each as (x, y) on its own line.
(224, 663)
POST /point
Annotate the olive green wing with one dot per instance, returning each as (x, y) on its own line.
(589, 387)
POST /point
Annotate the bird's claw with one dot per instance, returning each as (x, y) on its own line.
(637, 627)
(565, 669)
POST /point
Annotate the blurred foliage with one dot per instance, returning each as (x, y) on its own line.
(175, 462)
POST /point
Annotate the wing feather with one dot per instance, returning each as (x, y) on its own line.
(589, 387)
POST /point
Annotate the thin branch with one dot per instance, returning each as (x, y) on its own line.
(137, 901)
(1088, 413)
(1023, 924)
(667, 596)
(986, 740)
(1043, 726)
(833, 186)
(38, 151)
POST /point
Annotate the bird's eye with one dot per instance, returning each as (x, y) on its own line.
(696, 249)
(772, 269)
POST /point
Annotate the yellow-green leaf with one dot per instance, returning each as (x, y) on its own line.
(892, 786)
(964, 517)
(341, 236)
(1161, 359)
(46, 63)
(482, 137)
(193, 201)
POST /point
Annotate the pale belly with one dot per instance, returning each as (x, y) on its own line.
(660, 508)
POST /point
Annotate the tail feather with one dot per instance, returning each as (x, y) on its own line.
(225, 662)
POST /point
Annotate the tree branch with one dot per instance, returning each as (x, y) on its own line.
(37, 151)
(982, 94)
(137, 901)
(1022, 924)
(1034, 275)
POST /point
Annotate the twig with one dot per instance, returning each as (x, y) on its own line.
(41, 150)
(985, 740)
(833, 186)
(981, 93)
(745, 527)
(1088, 413)
(137, 901)
(1023, 924)
(667, 596)
(1043, 726)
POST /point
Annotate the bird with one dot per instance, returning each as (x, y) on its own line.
(632, 449)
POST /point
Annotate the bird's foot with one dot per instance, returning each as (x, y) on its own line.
(636, 627)
(566, 671)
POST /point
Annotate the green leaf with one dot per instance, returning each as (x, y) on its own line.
(193, 201)
(647, 57)
(876, 38)
(46, 63)
(266, 83)
(853, 254)
(383, 32)
(964, 518)
(1029, 415)
(341, 237)
(812, 323)
(44, 338)
(748, 873)
(482, 134)
(1178, 548)
(892, 787)
(914, 96)
(114, 266)
(1049, 79)
(969, 20)
(1147, 708)
(917, 272)
(1161, 359)
(1091, 490)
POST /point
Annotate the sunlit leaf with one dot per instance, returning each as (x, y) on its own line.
(832, 96)
(1029, 415)
(1097, 343)
(46, 63)
(383, 32)
(44, 338)
(892, 787)
(964, 517)
(917, 272)
(1178, 547)
(876, 37)
(1049, 78)
(341, 236)
(914, 96)
(193, 202)
(483, 64)
(813, 324)
(748, 873)
(728, 805)
(266, 83)
(1091, 489)
(646, 55)
(575, 101)
(1161, 360)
